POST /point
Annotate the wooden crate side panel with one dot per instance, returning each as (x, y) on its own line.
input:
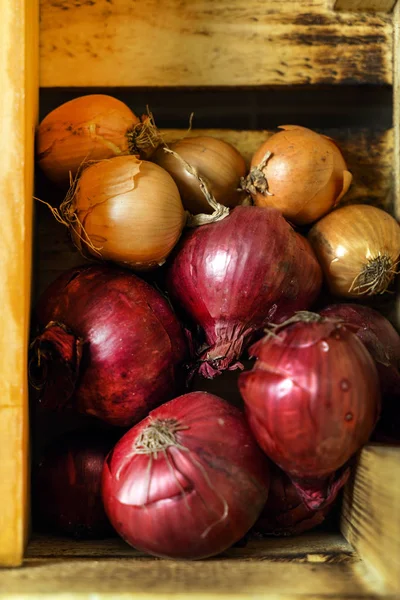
(203, 43)
(371, 513)
(18, 109)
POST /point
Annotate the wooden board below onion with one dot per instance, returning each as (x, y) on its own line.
(312, 566)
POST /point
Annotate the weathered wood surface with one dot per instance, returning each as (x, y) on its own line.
(219, 43)
(18, 102)
(365, 5)
(371, 513)
(369, 155)
(315, 566)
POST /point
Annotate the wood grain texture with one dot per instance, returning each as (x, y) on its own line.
(365, 5)
(18, 102)
(371, 513)
(184, 43)
(369, 155)
(315, 567)
(315, 546)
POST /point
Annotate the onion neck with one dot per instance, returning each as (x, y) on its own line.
(158, 436)
(256, 181)
(223, 354)
(144, 138)
(317, 493)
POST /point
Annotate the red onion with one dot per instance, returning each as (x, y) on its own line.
(378, 336)
(284, 512)
(312, 401)
(67, 485)
(234, 276)
(111, 345)
(187, 482)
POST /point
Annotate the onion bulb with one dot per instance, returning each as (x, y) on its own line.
(218, 163)
(67, 485)
(358, 247)
(125, 210)
(312, 400)
(188, 481)
(235, 276)
(91, 128)
(109, 345)
(300, 172)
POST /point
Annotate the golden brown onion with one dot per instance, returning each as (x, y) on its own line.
(90, 128)
(219, 164)
(127, 211)
(299, 172)
(358, 247)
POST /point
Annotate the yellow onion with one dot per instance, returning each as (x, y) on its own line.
(90, 128)
(358, 247)
(125, 210)
(300, 172)
(218, 163)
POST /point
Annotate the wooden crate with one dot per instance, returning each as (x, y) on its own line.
(185, 44)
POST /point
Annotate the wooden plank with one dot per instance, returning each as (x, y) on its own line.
(365, 5)
(369, 155)
(371, 512)
(184, 43)
(324, 568)
(18, 102)
(315, 546)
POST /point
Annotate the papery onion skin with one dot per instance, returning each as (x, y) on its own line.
(111, 345)
(218, 163)
(233, 277)
(67, 485)
(88, 128)
(358, 247)
(312, 400)
(127, 211)
(285, 513)
(306, 174)
(378, 336)
(192, 499)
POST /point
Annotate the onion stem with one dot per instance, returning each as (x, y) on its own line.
(256, 181)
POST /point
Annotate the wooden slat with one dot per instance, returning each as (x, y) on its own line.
(364, 5)
(18, 103)
(203, 43)
(315, 567)
(316, 546)
(369, 155)
(371, 513)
